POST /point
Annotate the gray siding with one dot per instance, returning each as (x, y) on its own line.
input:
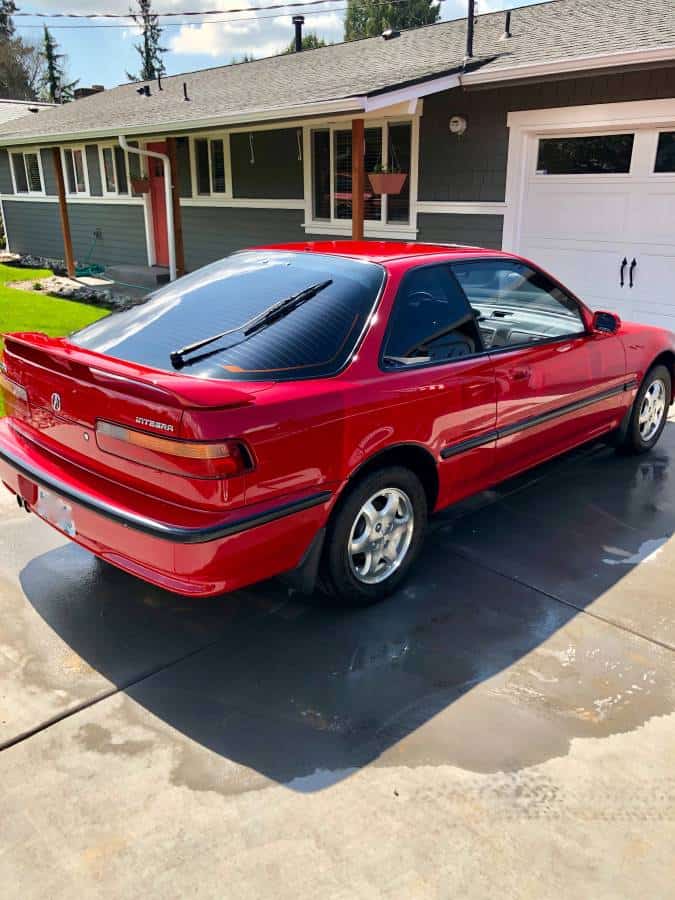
(210, 233)
(276, 172)
(5, 175)
(94, 170)
(473, 167)
(34, 227)
(482, 231)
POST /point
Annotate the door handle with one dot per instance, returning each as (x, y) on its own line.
(630, 272)
(522, 373)
(624, 263)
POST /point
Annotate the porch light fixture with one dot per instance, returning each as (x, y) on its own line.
(458, 125)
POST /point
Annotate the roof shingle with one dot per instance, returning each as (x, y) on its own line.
(555, 30)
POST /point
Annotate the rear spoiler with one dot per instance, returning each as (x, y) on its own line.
(183, 391)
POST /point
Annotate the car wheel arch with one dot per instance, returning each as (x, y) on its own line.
(412, 456)
(667, 359)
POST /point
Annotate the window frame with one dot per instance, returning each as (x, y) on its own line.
(112, 145)
(31, 151)
(558, 338)
(413, 367)
(85, 169)
(372, 227)
(223, 136)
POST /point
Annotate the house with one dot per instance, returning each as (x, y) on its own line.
(14, 109)
(554, 138)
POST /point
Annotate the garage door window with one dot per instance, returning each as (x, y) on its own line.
(607, 154)
(665, 153)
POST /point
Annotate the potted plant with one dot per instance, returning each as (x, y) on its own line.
(140, 184)
(387, 179)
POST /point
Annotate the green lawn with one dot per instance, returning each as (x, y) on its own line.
(32, 311)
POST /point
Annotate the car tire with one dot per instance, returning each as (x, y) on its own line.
(386, 514)
(649, 412)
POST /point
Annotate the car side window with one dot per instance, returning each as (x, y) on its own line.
(516, 304)
(431, 321)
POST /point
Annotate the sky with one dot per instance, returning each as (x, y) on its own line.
(104, 54)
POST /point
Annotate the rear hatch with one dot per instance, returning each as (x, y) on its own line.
(138, 426)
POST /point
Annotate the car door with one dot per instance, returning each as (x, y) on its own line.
(434, 361)
(558, 383)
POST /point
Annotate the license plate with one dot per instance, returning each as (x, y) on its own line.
(52, 508)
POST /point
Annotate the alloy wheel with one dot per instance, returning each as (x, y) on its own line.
(652, 410)
(380, 536)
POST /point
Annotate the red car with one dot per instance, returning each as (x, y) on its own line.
(302, 409)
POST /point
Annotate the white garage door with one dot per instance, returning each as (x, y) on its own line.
(598, 210)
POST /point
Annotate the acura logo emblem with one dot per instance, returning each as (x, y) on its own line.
(56, 402)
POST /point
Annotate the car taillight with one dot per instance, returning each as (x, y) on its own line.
(14, 395)
(220, 459)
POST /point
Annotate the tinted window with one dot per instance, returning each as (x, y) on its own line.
(600, 154)
(430, 321)
(314, 339)
(665, 153)
(19, 173)
(398, 205)
(321, 173)
(516, 304)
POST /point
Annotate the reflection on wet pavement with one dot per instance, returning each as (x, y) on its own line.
(475, 663)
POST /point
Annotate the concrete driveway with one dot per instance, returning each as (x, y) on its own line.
(504, 727)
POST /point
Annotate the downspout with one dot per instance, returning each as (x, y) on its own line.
(167, 195)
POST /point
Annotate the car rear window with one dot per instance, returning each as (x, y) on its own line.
(315, 339)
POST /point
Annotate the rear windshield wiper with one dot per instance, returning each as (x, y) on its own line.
(256, 323)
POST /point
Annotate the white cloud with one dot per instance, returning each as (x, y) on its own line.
(252, 34)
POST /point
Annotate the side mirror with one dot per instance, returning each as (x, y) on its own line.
(606, 322)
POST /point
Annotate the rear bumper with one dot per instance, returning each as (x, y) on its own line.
(186, 551)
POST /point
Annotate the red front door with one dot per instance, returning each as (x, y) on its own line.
(158, 201)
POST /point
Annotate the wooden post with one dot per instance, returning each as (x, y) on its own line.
(358, 179)
(175, 201)
(63, 211)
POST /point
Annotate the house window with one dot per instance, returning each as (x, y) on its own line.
(114, 170)
(665, 152)
(387, 147)
(27, 173)
(605, 154)
(75, 166)
(211, 157)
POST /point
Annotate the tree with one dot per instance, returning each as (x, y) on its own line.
(53, 81)
(369, 18)
(20, 70)
(309, 42)
(7, 10)
(150, 49)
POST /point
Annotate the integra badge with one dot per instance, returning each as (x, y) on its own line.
(150, 423)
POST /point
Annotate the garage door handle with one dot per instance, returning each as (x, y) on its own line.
(630, 272)
(624, 263)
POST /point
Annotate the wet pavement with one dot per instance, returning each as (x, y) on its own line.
(504, 726)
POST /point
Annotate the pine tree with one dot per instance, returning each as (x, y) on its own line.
(309, 42)
(7, 10)
(150, 49)
(369, 18)
(58, 90)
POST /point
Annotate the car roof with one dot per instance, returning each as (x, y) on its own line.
(385, 251)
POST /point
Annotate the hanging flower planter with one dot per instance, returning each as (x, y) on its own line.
(387, 182)
(140, 185)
